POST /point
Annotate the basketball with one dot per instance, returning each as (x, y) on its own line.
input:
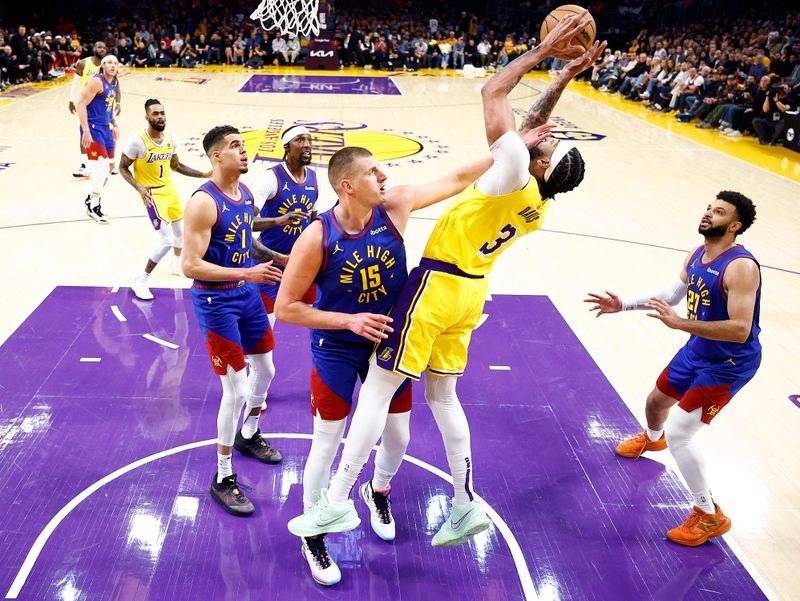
(585, 37)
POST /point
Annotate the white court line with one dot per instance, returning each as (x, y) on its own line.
(30, 559)
(500, 367)
(90, 359)
(117, 313)
(158, 340)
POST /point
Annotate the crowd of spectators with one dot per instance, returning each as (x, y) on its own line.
(741, 81)
(740, 76)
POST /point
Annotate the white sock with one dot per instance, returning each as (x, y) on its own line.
(394, 442)
(94, 200)
(317, 471)
(250, 425)
(704, 501)
(144, 276)
(224, 467)
(681, 428)
(440, 392)
(369, 420)
(654, 435)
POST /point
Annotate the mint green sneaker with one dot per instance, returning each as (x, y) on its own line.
(465, 521)
(324, 518)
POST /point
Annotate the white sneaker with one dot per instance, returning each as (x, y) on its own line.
(141, 289)
(83, 171)
(324, 517)
(323, 569)
(380, 511)
(176, 267)
(465, 521)
(604, 88)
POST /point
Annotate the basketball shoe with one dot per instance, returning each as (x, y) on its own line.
(465, 521)
(228, 493)
(257, 447)
(323, 569)
(380, 511)
(636, 445)
(95, 212)
(141, 289)
(324, 518)
(699, 527)
(82, 172)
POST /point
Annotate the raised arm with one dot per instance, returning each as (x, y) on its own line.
(497, 114)
(303, 267)
(540, 111)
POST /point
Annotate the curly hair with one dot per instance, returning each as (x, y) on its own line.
(745, 208)
(567, 175)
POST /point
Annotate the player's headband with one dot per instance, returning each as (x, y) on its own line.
(291, 133)
(562, 148)
(108, 58)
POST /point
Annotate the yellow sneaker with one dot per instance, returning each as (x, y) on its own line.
(636, 445)
(699, 527)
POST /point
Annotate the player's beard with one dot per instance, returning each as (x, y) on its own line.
(713, 231)
(158, 126)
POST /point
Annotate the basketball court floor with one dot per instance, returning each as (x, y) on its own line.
(108, 404)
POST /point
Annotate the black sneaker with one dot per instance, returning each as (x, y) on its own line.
(257, 447)
(228, 493)
(95, 212)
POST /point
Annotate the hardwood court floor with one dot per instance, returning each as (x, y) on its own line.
(626, 229)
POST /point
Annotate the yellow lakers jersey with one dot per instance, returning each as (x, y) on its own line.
(89, 71)
(476, 228)
(153, 168)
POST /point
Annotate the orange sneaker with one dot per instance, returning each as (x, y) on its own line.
(636, 445)
(699, 527)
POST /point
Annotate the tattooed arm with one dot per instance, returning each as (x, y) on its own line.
(179, 167)
(540, 111)
(262, 254)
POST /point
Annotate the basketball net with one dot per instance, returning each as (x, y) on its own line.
(295, 17)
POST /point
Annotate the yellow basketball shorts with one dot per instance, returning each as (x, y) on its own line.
(166, 206)
(433, 319)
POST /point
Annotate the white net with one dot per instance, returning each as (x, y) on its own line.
(297, 17)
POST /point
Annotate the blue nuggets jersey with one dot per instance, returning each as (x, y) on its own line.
(361, 272)
(232, 235)
(101, 108)
(707, 300)
(292, 196)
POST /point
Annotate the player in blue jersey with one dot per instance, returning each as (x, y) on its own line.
(218, 253)
(287, 194)
(99, 131)
(355, 254)
(721, 282)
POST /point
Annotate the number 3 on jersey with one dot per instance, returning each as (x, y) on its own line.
(506, 234)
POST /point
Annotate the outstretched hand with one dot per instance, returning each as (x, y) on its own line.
(604, 304)
(560, 42)
(532, 137)
(586, 60)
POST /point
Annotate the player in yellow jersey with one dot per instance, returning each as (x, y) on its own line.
(443, 298)
(85, 69)
(154, 155)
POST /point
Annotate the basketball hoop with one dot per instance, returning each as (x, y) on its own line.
(295, 17)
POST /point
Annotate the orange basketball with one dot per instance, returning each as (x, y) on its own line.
(585, 37)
